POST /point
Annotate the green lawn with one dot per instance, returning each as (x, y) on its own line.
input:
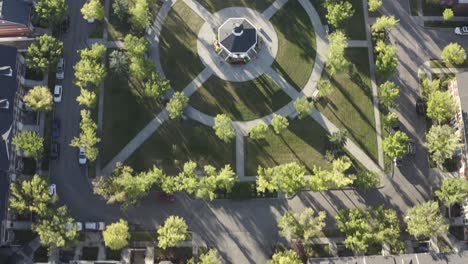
(215, 5)
(296, 44)
(239, 100)
(178, 45)
(176, 142)
(350, 105)
(304, 142)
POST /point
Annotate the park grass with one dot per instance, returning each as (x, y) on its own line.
(178, 45)
(296, 44)
(176, 142)
(304, 142)
(350, 106)
(239, 100)
(216, 5)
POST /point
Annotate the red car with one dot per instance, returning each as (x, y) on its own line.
(165, 197)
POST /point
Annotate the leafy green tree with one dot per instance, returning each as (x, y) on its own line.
(338, 11)
(39, 99)
(95, 54)
(338, 139)
(279, 123)
(206, 188)
(177, 104)
(389, 120)
(214, 180)
(210, 257)
(285, 257)
(173, 232)
(51, 12)
(288, 178)
(425, 220)
(323, 180)
(118, 62)
(429, 87)
(44, 53)
(396, 145)
(116, 235)
(388, 93)
(336, 59)
(325, 88)
(301, 226)
(88, 137)
(442, 141)
(453, 54)
(120, 9)
(30, 143)
(386, 61)
(87, 98)
(123, 186)
(54, 230)
(374, 5)
(156, 86)
(385, 23)
(141, 67)
(366, 180)
(448, 14)
(187, 180)
(93, 9)
(259, 131)
(440, 106)
(140, 14)
(28, 196)
(136, 46)
(223, 128)
(90, 69)
(303, 107)
(452, 191)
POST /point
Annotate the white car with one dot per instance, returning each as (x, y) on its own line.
(60, 72)
(82, 156)
(58, 93)
(96, 226)
(461, 30)
(53, 189)
(79, 226)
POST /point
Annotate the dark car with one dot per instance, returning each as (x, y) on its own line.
(420, 109)
(65, 24)
(165, 197)
(395, 127)
(56, 128)
(411, 147)
(55, 150)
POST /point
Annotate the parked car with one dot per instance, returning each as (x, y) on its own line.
(53, 189)
(58, 93)
(60, 72)
(56, 128)
(395, 127)
(65, 24)
(420, 109)
(82, 156)
(165, 197)
(411, 147)
(461, 30)
(79, 226)
(55, 150)
(95, 226)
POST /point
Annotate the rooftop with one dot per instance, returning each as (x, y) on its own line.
(237, 35)
(16, 11)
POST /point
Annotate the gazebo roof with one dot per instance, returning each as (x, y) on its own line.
(237, 35)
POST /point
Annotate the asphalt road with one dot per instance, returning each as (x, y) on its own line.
(245, 231)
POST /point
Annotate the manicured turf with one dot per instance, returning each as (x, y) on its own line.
(182, 141)
(304, 142)
(241, 101)
(215, 5)
(296, 44)
(350, 105)
(178, 45)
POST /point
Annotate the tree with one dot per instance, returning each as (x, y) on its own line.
(54, 230)
(214, 180)
(285, 257)
(440, 106)
(385, 23)
(301, 226)
(93, 9)
(259, 131)
(118, 61)
(386, 61)
(223, 128)
(279, 123)
(173, 232)
(121, 10)
(210, 257)
(136, 47)
(95, 54)
(90, 68)
(325, 88)
(140, 15)
(430, 86)
(141, 67)
(452, 191)
(396, 145)
(29, 142)
(88, 137)
(303, 107)
(366, 180)
(87, 98)
(442, 141)
(156, 86)
(287, 178)
(39, 99)
(389, 120)
(323, 180)
(338, 12)
(28, 196)
(51, 12)
(453, 54)
(44, 53)
(187, 180)
(336, 59)
(448, 14)
(116, 235)
(374, 5)
(123, 186)
(425, 220)
(338, 139)
(388, 93)
(177, 104)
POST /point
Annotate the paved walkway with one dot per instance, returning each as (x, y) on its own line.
(240, 155)
(273, 8)
(358, 44)
(117, 44)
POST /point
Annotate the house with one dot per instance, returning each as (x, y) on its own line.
(15, 23)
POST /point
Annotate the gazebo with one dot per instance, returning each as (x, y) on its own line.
(237, 39)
